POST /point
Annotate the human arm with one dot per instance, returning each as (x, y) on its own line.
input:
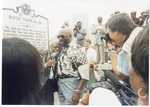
(85, 99)
(114, 62)
(49, 64)
(83, 71)
(95, 71)
(83, 32)
(99, 29)
(93, 68)
(97, 76)
(76, 95)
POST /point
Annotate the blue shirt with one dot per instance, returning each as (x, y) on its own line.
(79, 35)
(122, 63)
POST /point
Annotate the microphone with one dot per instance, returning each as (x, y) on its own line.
(115, 79)
(118, 82)
(53, 56)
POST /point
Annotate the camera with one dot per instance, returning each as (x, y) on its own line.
(106, 37)
(76, 27)
(91, 66)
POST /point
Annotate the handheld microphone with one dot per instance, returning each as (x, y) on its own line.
(115, 79)
(53, 56)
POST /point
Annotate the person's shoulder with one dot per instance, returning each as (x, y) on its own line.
(83, 29)
(104, 97)
(75, 47)
(138, 28)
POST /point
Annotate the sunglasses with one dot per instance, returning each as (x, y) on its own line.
(61, 36)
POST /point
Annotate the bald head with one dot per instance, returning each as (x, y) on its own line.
(66, 23)
(65, 36)
(66, 30)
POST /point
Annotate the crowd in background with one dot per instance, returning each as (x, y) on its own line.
(71, 64)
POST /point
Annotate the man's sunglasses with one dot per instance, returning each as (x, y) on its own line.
(61, 36)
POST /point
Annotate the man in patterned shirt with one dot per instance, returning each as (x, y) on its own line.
(72, 69)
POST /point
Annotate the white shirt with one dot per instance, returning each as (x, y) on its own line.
(103, 97)
(91, 54)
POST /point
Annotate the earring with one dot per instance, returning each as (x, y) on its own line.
(141, 97)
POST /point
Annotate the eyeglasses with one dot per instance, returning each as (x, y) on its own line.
(61, 36)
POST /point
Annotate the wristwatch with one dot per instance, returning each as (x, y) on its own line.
(78, 91)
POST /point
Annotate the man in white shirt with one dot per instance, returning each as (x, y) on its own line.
(90, 52)
(94, 74)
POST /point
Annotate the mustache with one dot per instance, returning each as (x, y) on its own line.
(61, 40)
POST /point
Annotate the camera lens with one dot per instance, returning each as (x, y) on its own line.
(91, 65)
(106, 37)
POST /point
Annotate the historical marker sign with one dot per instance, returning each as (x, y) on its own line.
(23, 23)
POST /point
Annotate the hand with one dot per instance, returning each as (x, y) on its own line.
(97, 30)
(78, 30)
(75, 98)
(85, 99)
(112, 48)
(96, 66)
(50, 63)
(92, 69)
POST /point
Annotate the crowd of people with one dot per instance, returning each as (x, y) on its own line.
(70, 67)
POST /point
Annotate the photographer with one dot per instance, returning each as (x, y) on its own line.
(122, 31)
(144, 18)
(94, 74)
(98, 32)
(79, 33)
(138, 73)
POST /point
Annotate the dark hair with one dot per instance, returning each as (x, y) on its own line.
(99, 18)
(79, 22)
(21, 67)
(121, 22)
(140, 55)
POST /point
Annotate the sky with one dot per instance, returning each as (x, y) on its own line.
(58, 11)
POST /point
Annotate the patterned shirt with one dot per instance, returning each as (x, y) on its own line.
(73, 61)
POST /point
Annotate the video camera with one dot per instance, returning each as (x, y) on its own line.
(106, 37)
(122, 90)
(76, 27)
